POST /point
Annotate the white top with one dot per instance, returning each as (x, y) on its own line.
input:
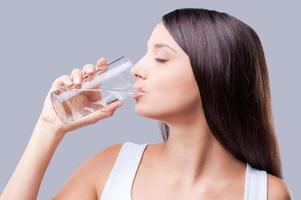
(119, 183)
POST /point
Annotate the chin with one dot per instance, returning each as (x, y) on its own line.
(145, 110)
(150, 112)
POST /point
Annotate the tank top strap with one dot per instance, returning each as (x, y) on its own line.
(255, 184)
(119, 183)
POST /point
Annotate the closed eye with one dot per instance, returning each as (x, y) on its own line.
(160, 60)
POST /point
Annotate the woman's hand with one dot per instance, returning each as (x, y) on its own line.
(74, 80)
(47, 134)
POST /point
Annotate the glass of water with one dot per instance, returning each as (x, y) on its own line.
(111, 83)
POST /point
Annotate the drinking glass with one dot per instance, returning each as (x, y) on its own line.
(111, 83)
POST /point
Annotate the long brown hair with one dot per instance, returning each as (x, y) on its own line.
(229, 67)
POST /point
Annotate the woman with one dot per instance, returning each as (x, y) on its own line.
(205, 80)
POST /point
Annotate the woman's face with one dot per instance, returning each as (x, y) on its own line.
(166, 76)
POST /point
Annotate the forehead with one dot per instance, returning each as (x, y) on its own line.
(161, 35)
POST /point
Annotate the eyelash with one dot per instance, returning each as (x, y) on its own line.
(160, 60)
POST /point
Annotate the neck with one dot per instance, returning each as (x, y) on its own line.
(192, 153)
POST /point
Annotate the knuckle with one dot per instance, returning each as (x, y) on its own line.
(88, 69)
(76, 71)
(59, 79)
(88, 66)
(65, 76)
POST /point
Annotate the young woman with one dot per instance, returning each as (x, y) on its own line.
(205, 79)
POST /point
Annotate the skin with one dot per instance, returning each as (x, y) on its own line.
(171, 96)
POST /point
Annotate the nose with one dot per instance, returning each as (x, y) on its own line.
(137, 73)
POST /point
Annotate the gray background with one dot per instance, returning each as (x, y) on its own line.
(40, 41)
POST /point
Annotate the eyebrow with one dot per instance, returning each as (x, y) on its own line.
(160, 45)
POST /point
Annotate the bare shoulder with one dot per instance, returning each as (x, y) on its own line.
(277, 189)
(90, 177)
(104, 160)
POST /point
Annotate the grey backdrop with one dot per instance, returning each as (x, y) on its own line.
(39, 41)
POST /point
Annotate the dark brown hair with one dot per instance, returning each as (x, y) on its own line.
(229, 67)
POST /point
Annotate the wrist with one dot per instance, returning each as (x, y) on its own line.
(49, 128)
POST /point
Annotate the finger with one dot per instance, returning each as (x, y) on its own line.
(101, 62)
(98, 115)
(94, 94)
(110, 108)
(88, 70)
(76, 76)
(101, 65)
(63, 80)
(105, 112)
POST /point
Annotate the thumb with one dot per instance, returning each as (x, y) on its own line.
(113, 106)
(108, 110)
(94, 117)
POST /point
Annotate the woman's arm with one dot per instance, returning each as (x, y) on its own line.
(27, 177)
(48, 133)
(89, 180)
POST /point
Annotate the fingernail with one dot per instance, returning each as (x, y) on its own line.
(77, 80)
(89, 70)
(99, 60)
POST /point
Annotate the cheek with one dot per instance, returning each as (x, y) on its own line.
(168, 97)
(182, 98)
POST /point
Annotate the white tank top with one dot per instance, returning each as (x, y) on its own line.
(119, 183)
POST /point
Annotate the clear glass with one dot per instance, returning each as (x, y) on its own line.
(112, 83)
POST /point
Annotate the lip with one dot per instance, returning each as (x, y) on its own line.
(139, 92)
